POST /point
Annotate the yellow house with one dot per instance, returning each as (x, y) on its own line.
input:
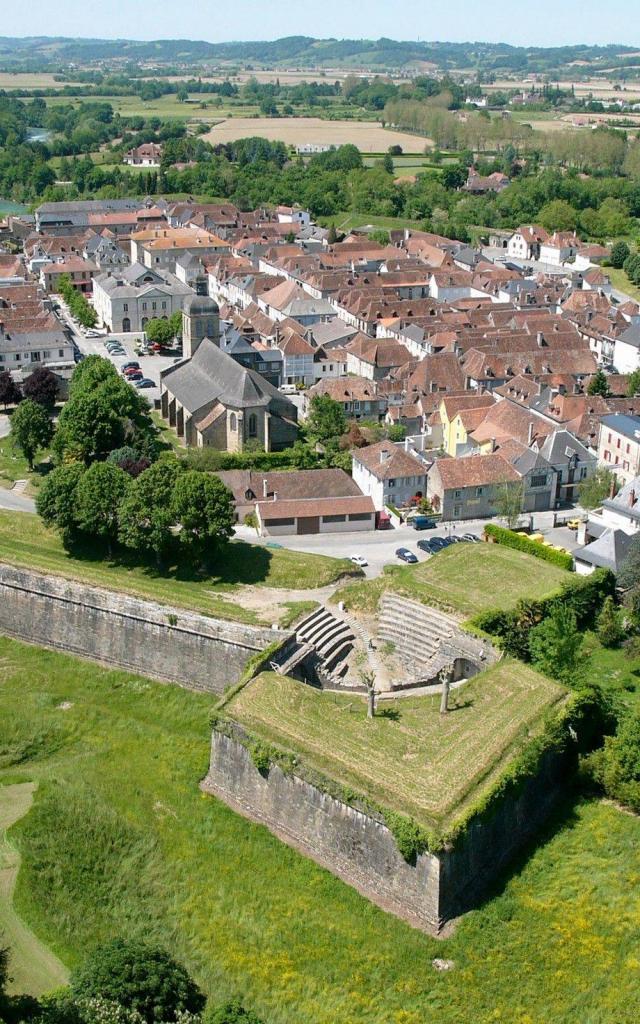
(460, 415)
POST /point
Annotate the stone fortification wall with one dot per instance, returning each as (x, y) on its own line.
(353, 845)
(361, 849)
(170, 644)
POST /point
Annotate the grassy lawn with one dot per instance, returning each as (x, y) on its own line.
(409, 758)
(621, 283)
(120, 841)
(347, 221)
(24, 540)
(465, 578)
(614, 669)
(14, 466)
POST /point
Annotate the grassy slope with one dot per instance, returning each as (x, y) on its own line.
(25, 541)
(33, 966)
(465, 578)
(621, 282)
(418, 762)
(121, 841)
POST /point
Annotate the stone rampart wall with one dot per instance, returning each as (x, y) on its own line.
(170, 644)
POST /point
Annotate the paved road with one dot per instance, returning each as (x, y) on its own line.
(16, 502)
(379, 546)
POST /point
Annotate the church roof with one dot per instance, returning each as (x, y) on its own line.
(211, 375)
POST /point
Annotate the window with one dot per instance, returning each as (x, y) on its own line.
(233, 422)
(539, 481)
(478, 492)
(253, 425)
(46, 355)
(154, 305)
(391, 483)
(280, 522)
(125, 307)
(583, 473)
(164, 305)
(1, 358)
(333, 519)
(330, 367)
(17, 357)
(457, 494)
(35, 357)
(144, 305)
(457, 511)
(359, 517)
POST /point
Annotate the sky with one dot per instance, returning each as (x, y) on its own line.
(533, 23)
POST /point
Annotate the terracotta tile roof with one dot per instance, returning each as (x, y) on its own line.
(474, 471)
(305, 507)
(386, 461)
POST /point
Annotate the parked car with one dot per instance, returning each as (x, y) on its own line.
(131, 369)
(574, 524)
(288, 389)
(92, 333)
(359, 560)
(131, 365)
(438, 543)
(427, 546)
(423, 522)
(134, 377)
(146, 382)
(406, 556)
(472, 538)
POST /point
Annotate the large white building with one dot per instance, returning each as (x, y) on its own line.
(127, 298)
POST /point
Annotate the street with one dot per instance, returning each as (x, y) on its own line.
(379, 546)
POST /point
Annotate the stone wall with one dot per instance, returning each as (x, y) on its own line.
(198, 652)
(353, 845)
(362, 851)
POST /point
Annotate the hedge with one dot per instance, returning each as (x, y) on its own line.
(500, 535)
(210, 460)
(584, 595)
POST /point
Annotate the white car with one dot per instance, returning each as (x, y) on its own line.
(93, 334)
(359, 560)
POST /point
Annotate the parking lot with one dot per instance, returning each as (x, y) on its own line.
(151, 365)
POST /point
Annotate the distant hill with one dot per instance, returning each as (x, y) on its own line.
(41, 52)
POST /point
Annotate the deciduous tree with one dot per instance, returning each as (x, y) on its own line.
(42, 386)
(555, 644)
(596, 488)
(10, 393)
(203, 508)
(31, 429)
(147, 514)
(99, 494)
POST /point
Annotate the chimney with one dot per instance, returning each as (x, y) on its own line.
(530, 437)
(265, 488)
(275, 495)
(632, 498)
(540, 339)
(384, 455)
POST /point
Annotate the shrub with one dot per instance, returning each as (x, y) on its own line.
(584, 595)
(609, 626)
(615, 768)
(411, 840)
(500, 535)
(139, 977)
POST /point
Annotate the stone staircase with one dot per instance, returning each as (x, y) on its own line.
(416, 631)
(331, 638)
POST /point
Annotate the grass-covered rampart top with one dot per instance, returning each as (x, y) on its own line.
(25, 541)
(409, 759)
(463, 579)
(121, 842)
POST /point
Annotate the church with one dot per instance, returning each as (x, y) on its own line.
(211, 400)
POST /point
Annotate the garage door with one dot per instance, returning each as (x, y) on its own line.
(309, 524)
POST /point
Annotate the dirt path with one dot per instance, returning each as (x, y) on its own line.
(33, 968)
